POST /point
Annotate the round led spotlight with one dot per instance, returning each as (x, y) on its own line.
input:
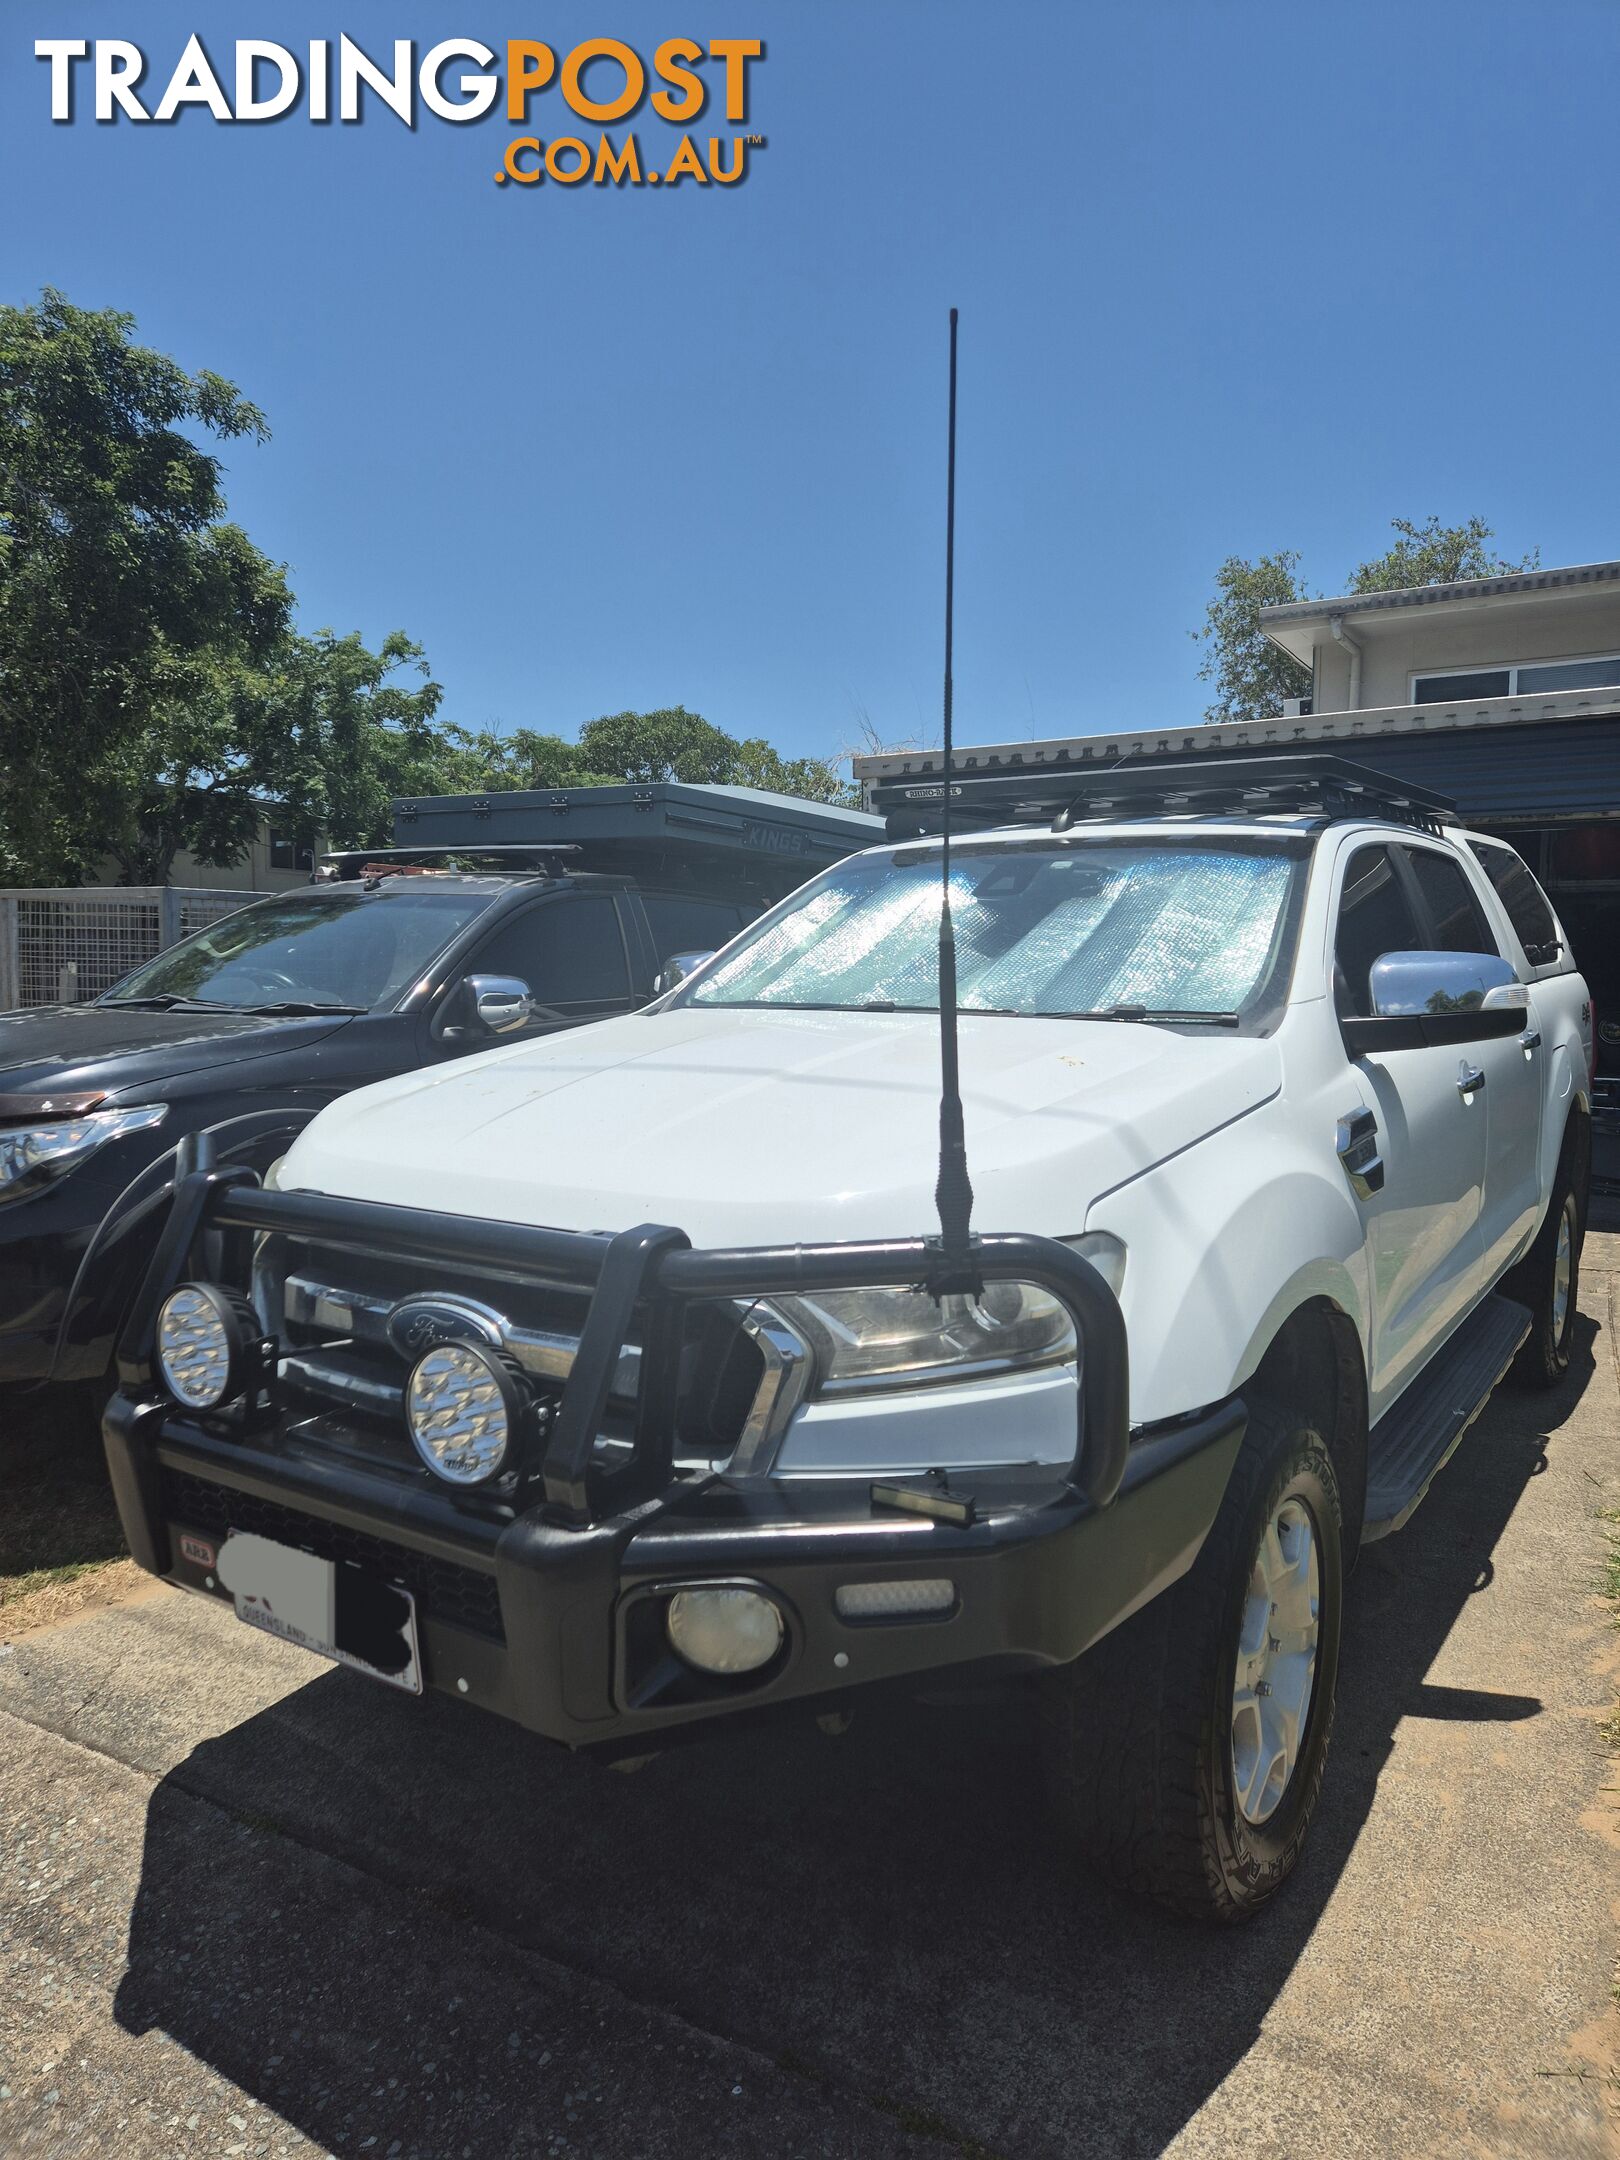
(463, 1405)
(202, 1334)
(724, 1627)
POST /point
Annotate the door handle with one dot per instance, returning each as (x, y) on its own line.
(1530, 1039)
(1470, 1080)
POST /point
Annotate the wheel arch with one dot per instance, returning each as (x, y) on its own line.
(1314, 1362)
(116, 1258)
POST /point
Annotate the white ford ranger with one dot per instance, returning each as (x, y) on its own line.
(608, 1381)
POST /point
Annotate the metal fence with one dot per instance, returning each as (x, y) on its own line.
(57, 947)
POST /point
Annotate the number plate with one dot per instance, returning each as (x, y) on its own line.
(337, 1611)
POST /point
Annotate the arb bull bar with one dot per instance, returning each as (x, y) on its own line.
(580, 1568)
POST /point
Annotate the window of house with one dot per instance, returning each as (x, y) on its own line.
(1519, 680)
(289, 852)
(570, 951)
(1375, 917)
(1527, 906)
(1458, 919)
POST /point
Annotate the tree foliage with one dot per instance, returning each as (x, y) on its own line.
(670, 744)
(1436, 554)
(119, 578)
(1252, 677)
(154, 696)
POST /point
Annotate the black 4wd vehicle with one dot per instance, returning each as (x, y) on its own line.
(391, 960)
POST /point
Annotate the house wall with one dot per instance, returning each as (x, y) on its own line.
(253, 874)
(1543, 627)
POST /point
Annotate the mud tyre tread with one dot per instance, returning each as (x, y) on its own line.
(1136, 1748)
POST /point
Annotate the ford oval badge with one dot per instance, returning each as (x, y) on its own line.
(419, 1324)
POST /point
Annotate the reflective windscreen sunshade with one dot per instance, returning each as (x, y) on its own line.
(1069, 928)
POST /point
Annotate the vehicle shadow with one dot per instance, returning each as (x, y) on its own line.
(885, 1912)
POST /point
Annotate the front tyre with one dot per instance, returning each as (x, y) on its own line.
(1185, 1752)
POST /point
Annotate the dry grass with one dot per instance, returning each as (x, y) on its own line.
(60, 1545)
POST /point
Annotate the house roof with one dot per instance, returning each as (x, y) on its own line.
(1291, 625)
(1550, 752)
(1465, 589)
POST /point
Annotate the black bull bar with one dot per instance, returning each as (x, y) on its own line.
(642, 1281)
(1044, 1561)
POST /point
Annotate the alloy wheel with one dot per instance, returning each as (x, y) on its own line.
(1276, 1661)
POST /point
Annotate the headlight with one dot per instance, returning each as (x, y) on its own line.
(202, 1338)
(462, 1406)
(31, 1155)
(864, 1339)
(889, 1338)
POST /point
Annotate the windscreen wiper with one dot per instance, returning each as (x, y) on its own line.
(1159, 1012)
(291, 1008)
(167, 1002)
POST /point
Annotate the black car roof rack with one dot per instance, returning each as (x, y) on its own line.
(345, 864)
(1304, 784)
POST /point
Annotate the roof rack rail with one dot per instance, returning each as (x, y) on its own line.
(346, 863)
(1302, 784)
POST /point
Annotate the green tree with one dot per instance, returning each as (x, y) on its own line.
(524, 759)
(119, 577)
(1436, 554)
(353, 729)
(1252, 677)
(670, 744)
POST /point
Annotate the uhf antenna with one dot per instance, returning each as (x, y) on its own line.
(953, 1195)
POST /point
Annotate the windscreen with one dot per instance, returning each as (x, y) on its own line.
(1055, 929)
(355, 953)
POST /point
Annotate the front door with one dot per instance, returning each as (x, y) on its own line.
(569, 948)
(1423, 1241)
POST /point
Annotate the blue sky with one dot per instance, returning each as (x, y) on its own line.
(1232, 277)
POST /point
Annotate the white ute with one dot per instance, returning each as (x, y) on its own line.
(1298, 1068)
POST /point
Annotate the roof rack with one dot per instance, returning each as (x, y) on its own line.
(1307, 784)
(348, 863)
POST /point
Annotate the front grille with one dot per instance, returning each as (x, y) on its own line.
(330, 1306)
(464, 1597)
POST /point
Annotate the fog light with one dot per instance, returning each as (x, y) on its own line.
(462, 1407)
(202, 1333)
(726, 1629)
(894, 1600)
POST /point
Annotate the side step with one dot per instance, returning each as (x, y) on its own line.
(1417, 1436)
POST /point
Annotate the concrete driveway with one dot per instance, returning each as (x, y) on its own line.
(252, 1905)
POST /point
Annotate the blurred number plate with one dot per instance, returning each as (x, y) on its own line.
(338, 1612)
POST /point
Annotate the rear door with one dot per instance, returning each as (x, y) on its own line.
(1423, 1241)
(1509, 1066)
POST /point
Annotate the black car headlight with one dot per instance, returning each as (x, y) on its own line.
(32, 1155)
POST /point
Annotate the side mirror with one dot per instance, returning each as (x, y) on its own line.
(1428, 999)
(676, 969)
(501, 1002)
(1404, 984)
